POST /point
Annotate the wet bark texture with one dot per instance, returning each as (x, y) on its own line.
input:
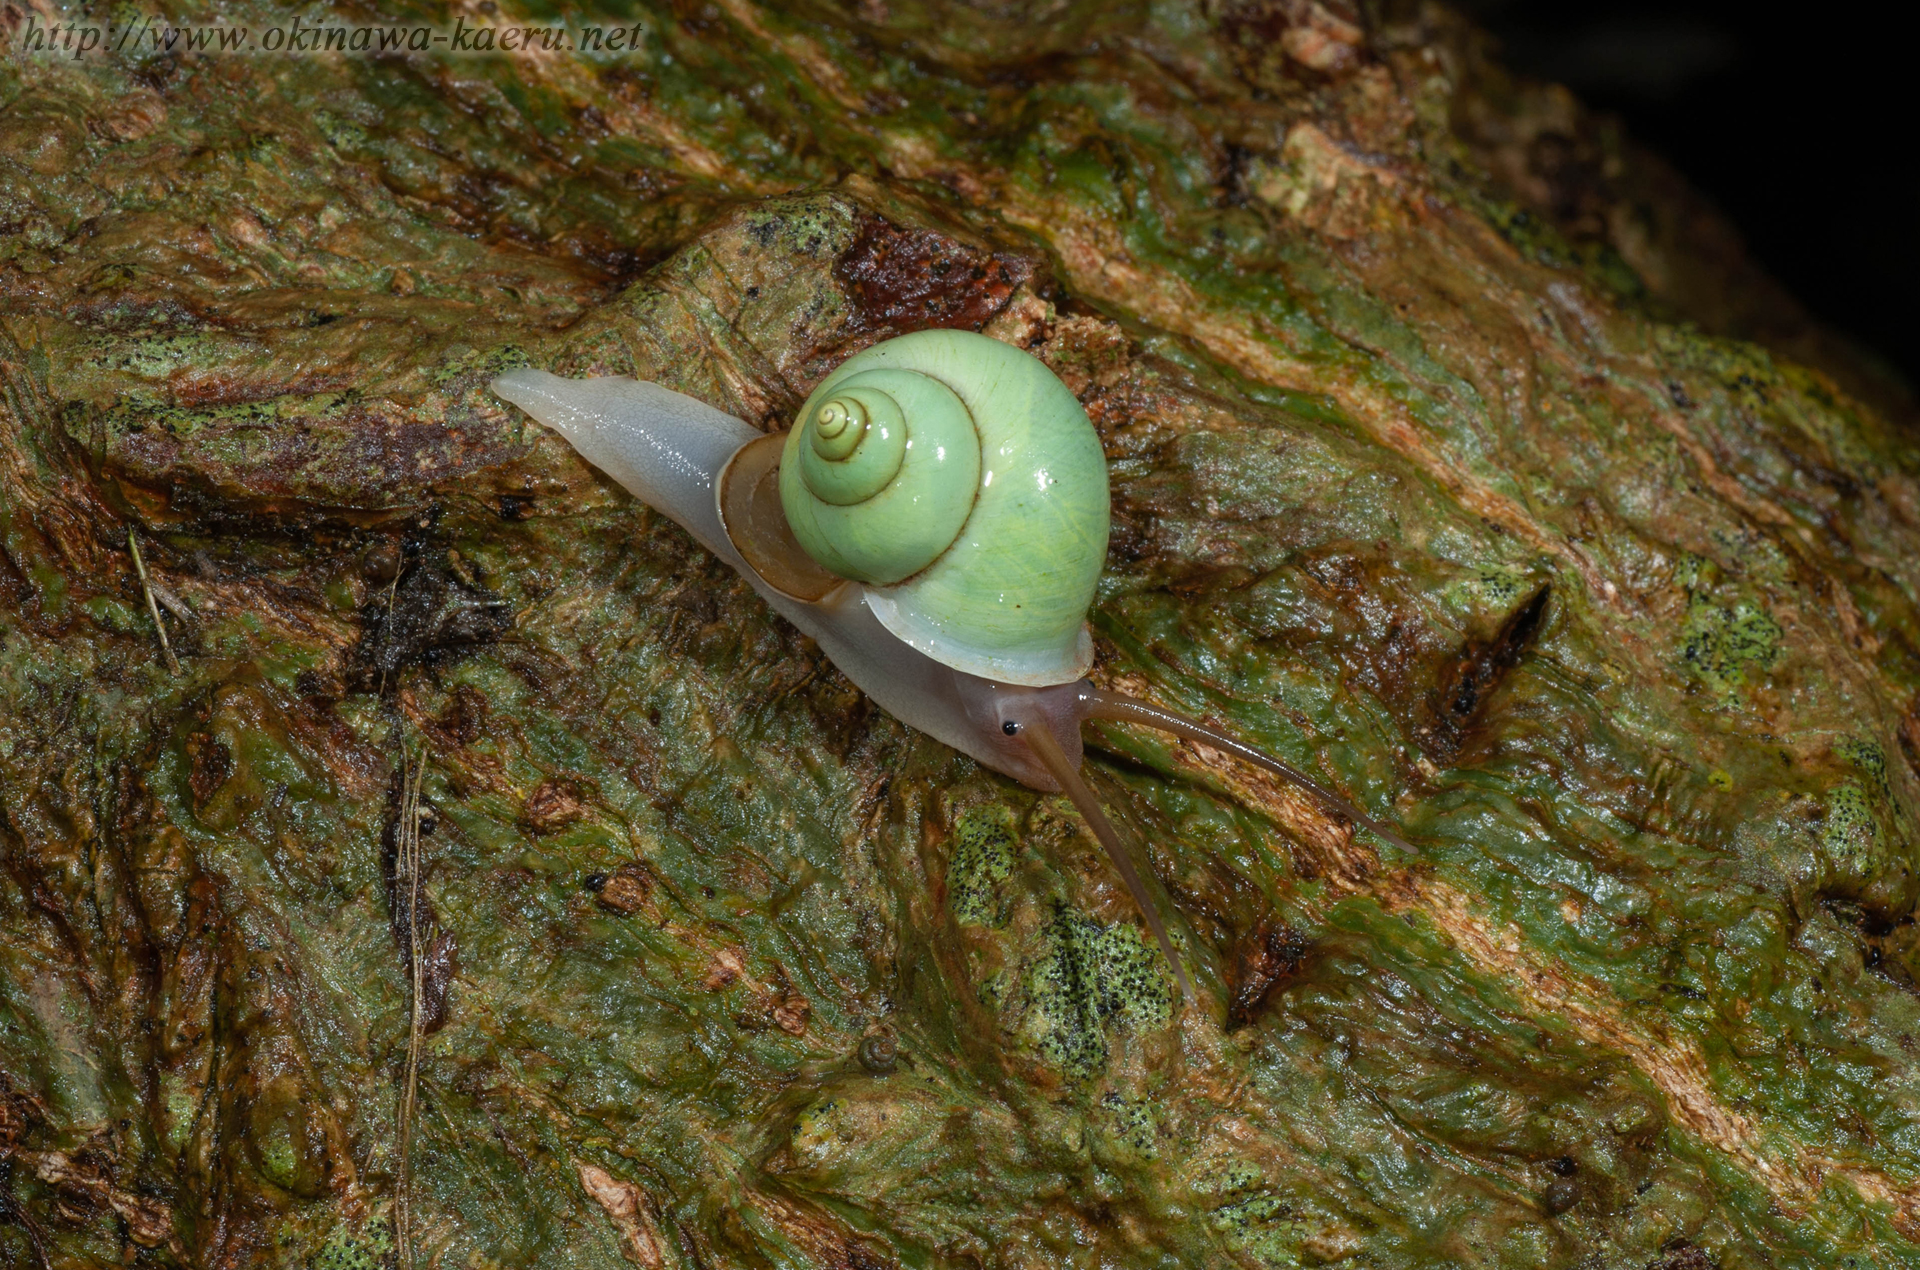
(1458, 457)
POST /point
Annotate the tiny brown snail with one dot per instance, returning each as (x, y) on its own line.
(936, 520)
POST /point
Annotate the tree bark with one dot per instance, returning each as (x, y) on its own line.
(497, 882)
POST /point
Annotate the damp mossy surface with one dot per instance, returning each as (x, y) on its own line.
(1457, 457)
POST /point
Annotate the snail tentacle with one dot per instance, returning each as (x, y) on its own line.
(1041, 741)
(1097, 703)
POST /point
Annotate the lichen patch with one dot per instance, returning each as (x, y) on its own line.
(1091, 980)
(980, 863)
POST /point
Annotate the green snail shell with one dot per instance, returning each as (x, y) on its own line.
(961, 481)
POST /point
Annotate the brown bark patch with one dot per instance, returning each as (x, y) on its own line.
(1474, 675)
(437, 972)
(1266, 958)
(554, 804)
(211, 764)
(439, 953)
(728, 965)
(791, 1012)
(1278, 44)
(631, 1212)
(913, 279)
(18, 1114)
(1678, 1254)
(83, 1184)
(1910, 735)
(830, 1245)
(777, 1003)
(626, 891)
(429, 616)
(1322, 846)
(465, 720)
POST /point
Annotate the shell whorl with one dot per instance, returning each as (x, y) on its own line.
(881, 474)
(854, 445)
(960, 480)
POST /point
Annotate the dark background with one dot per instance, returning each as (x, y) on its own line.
(1802, 125)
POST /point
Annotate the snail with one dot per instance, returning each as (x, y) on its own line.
(936, 521)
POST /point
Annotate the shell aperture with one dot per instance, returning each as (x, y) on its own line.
(983, 546)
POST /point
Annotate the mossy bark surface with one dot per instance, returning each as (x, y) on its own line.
(1441, 469)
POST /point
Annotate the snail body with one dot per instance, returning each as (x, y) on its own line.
(936, 521)
(674, 453)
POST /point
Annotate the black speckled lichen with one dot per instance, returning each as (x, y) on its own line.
(346, 1249)
(1457, 457)
(1090, 979)
(980, 863)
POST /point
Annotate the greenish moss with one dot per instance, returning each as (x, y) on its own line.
(341, 133)
(1261, 1227)
(1851, 832)
(992, 990)
(807, 227)
(263, 300)
(470, 366)
(816, 1130)
(1486, 592)
(982, 859)
(279, 1157)
(1746, 371)
(367, 1248)
(1867, 758)
(157, 354)
(1536, 237)
(112, 615)
(1090, 979)
(1134, 1125)
(1499, 588)
(182, 1102)
(1722, 645)
(1229, 1178)
(179, 422)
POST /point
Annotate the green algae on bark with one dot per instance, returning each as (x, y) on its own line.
(1439, 469)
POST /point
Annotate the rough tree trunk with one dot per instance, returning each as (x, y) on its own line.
(1438, 470)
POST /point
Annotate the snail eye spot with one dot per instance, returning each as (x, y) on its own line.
(1010, 728)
